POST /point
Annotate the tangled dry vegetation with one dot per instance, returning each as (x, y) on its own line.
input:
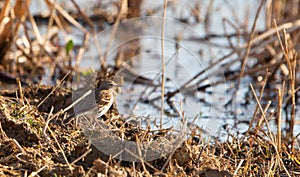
(34, 142)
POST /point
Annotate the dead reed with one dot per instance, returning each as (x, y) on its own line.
(34, 142)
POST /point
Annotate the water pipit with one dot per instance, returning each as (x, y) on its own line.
(104, 97)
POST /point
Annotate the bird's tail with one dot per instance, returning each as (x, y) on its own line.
(68, 119)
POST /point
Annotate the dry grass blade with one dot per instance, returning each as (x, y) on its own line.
(20, 10)
(291, 59)
(47, 124)
(19, 146)
(163, 65)
(60, 148)
(36, 142)
(36, 30)
(82, 156)
(260, 96)
(81, 51)
(259, 125)
(66, 15)
(113, 33)
(269, 134)
(10, 22)
(87, 19)
(5, 25)
(280, 98)
(249, 44)
(35, 173)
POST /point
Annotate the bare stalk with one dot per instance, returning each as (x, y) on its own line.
(249, 45)
(290, 57)
(163, 64)
(280, 93)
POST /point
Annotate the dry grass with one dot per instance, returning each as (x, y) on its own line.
(34, 142)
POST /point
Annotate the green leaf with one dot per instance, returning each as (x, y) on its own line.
(69, 46)
(30, 121)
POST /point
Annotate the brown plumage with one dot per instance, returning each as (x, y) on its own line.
(104, 97)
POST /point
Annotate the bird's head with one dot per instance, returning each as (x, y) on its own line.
(108, 85)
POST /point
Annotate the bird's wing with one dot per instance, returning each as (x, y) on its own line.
(106, 99)
(86, 104)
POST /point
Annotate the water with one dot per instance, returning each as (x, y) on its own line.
(205, 109)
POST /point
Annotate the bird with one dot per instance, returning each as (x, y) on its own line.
(104, 97)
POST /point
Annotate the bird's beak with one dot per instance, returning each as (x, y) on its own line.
(118, 85)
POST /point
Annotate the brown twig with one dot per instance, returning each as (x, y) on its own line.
(290, 58)
(249, 45)
(163, 63)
